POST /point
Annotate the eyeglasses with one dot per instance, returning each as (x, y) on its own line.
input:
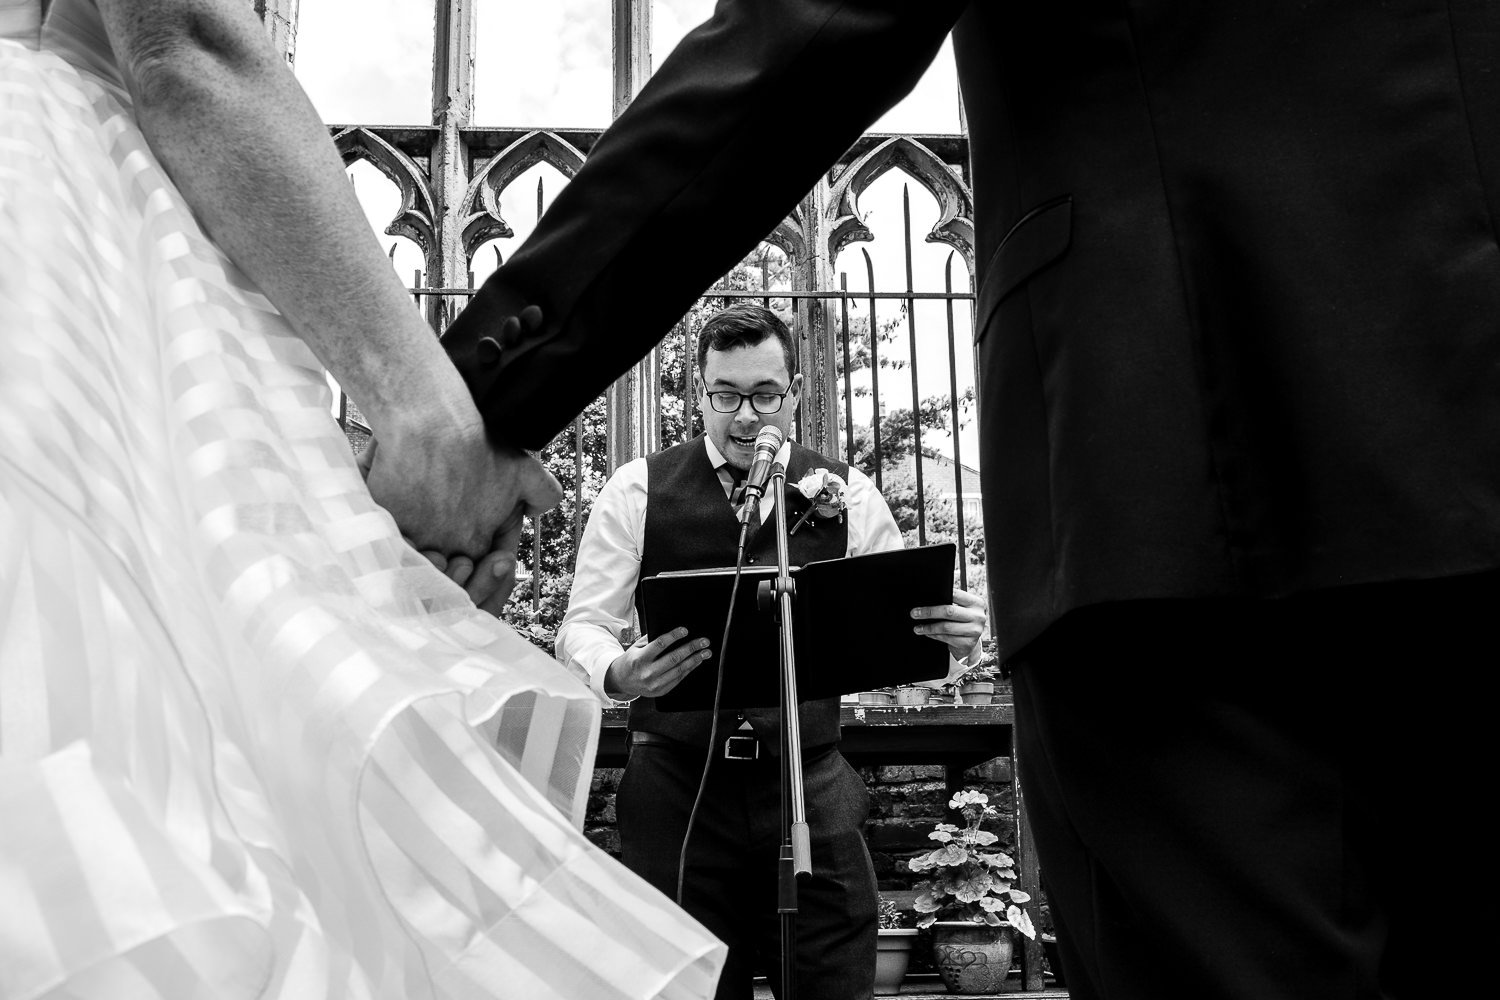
(761, 402)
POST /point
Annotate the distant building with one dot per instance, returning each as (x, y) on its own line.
(944, 478)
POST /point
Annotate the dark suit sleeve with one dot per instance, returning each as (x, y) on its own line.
(732, 130)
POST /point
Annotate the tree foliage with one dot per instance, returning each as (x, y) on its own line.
(537, 606)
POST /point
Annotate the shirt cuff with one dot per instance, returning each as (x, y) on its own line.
(598, 668)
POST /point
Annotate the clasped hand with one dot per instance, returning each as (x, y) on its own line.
(460, 501)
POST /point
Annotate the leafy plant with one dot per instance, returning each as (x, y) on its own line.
(889, 916)
(968, 882)
(987, 669)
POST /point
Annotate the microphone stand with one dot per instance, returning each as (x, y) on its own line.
(796, 845)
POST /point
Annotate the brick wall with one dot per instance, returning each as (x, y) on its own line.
(906, 801)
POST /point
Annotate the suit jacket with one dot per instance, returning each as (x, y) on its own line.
(1238, 276)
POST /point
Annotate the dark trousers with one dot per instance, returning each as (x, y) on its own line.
(731, 874)
(1268, 800)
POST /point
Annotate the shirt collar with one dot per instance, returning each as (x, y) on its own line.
(728, 478)
(714, 455)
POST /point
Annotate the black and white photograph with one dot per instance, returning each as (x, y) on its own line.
(748, 499)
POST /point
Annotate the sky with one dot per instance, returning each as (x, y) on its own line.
(547, 63)
(538, 62)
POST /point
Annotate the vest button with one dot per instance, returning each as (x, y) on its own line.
(488, 351)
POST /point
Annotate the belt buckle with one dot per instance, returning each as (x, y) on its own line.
(742, 748)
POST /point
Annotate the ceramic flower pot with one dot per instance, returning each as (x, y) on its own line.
(971, 958)
(892, 953)
(978, 692)
(912, 695)
(869, 698)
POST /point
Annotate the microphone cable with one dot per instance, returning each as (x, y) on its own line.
(713, 726)
(775, 437)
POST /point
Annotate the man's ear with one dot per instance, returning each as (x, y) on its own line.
(796, 387)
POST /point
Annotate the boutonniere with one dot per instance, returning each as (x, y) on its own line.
(824, 492)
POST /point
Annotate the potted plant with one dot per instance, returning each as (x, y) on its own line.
(976, 686)
(913, 694)
(970, 902)
(892, 949)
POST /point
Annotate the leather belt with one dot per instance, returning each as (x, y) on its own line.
(737, 746)
(740, 745)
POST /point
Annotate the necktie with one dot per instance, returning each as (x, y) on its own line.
(737, 500)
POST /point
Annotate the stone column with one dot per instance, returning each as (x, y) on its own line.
(817, 325)
(452, 111)
(634, 415)
(280, 19)
(631, 49)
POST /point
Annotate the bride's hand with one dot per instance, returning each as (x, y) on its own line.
(489, 584)
(492, 581)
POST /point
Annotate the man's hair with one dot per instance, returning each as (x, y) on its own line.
(745, 325)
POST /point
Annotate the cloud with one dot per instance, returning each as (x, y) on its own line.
(370, 62)
(367, 61)
(542, 64)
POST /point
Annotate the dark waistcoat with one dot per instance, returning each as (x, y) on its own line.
(690, 524)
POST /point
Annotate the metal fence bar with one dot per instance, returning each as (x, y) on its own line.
(577, 480)
(958, 465)
(916, 392)
(848, 375)
(689, 363)
(536, 564)
(874, 367)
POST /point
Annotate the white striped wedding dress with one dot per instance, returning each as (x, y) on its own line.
(251, 744)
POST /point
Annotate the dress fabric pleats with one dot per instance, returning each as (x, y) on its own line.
(251, 744)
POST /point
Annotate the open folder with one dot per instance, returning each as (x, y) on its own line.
(852, 618)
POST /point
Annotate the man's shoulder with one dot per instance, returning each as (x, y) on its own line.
(677, 453)
(632, 473)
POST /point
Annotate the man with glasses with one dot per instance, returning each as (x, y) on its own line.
(675, 510)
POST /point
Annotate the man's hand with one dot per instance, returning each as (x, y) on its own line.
(959, 625)
(646, 668)
(456, 495)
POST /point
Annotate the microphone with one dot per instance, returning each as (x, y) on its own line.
(767, 445)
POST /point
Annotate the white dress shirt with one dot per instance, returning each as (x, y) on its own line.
(601, 606)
